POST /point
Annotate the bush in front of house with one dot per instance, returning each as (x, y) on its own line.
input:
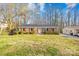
(12, 32)
(19, 32)
(25, 32)
(56, 33)
(32, 32)
(22, 32)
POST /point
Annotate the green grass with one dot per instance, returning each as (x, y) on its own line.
(38, 45)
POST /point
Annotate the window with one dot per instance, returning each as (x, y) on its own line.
(47, 29)
(31, 29)
(23, 29)
(77, 30)
(53, 29)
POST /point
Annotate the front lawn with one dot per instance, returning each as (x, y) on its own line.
(38, 45)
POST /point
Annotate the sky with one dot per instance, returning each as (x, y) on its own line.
(64, 8)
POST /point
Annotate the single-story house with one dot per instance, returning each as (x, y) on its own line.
(72, 30)
(39, 29)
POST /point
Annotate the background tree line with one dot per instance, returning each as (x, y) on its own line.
(21, 14)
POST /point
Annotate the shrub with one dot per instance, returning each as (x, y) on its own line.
(12, 32)
(25, 32)
(52, 51)
(56, 33)
(19, 32)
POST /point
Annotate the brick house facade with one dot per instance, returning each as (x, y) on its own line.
(39, 29)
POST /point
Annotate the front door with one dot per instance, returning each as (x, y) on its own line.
(39, 30)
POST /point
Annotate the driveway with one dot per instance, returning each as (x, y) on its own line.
(69, 36)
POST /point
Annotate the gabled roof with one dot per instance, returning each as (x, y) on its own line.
(37, 26)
